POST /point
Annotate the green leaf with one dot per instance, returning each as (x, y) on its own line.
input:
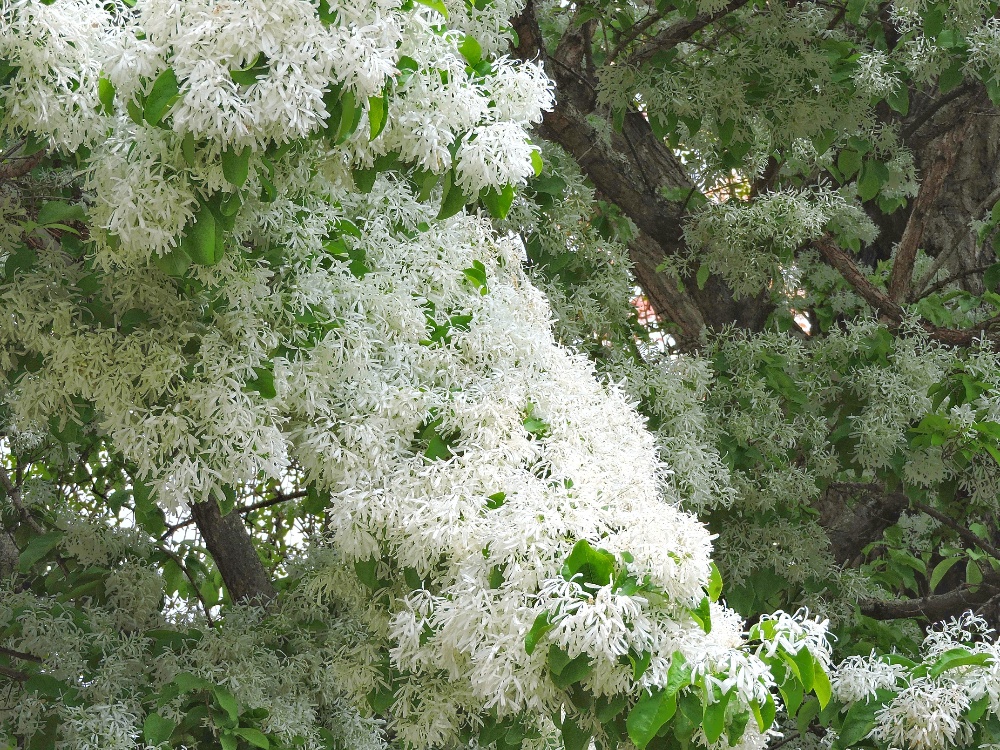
(821, 685)
(236, 165)
(899, 99)
(703, 614)
(574, 736)
(453, 200)
(498, 204)
(57, 212)
(874, 174)
(249, 75)
(565, 671)
(594, 565)
(858, 724)
(263, 382)
(200, 239)
(536, 162)
(226, 701)
(435, 5)
(764, 713)
(714, 583)
(539, 628)
(376, 116)
(47, 685)
(958, 657)
(471, 49)
(951, 77)
(714, 722)
(679, 674)
(350, 117)
(973, 573)
(848, 162)
(703, 273)
(156, 729)
(650, 713)
(106, 95)
(254, 736)
(37, 548)
(228, 741)
(941, 570)
(187, 148)
(161, 98)
(175, 263)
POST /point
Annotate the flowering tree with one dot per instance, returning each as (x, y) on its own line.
(326, 421)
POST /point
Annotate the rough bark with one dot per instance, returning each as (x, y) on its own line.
(854, 516)
(230, 545)
(631, 169)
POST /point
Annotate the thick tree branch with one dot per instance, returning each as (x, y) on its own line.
(937, 607)
(891, 310)
(631, 169)
(944, 159)
(278, 498)
(230, 545)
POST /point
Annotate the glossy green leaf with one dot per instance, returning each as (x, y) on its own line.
(254, 736)
(200, 239)
(106, 95)
(162, 97)
(453, 200)
(376, 116)
(650, 713)
(236, 165)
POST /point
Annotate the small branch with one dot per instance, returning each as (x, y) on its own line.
(939, 285)
(944, 159)
(875, 297)
(633, 34)
(194, 584)
(19, 655)
(14, 493)
(14, 674)
(967, 534)
(671, 36)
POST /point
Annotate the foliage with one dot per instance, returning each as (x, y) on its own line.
(327, 420)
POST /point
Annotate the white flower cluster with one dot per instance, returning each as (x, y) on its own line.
(934, 703)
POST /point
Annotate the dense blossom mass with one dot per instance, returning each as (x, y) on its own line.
(301, 268)
(258, 279)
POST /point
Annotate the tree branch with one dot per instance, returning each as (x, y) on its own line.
(967, 534)
(671, 36)
(891, 310)
(901, 275)
(230, 545)
(936, 607)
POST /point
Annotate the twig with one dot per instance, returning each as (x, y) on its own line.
(671, 36)
(14, 674)
(967, 534)
(19, 655)
(194, 584)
